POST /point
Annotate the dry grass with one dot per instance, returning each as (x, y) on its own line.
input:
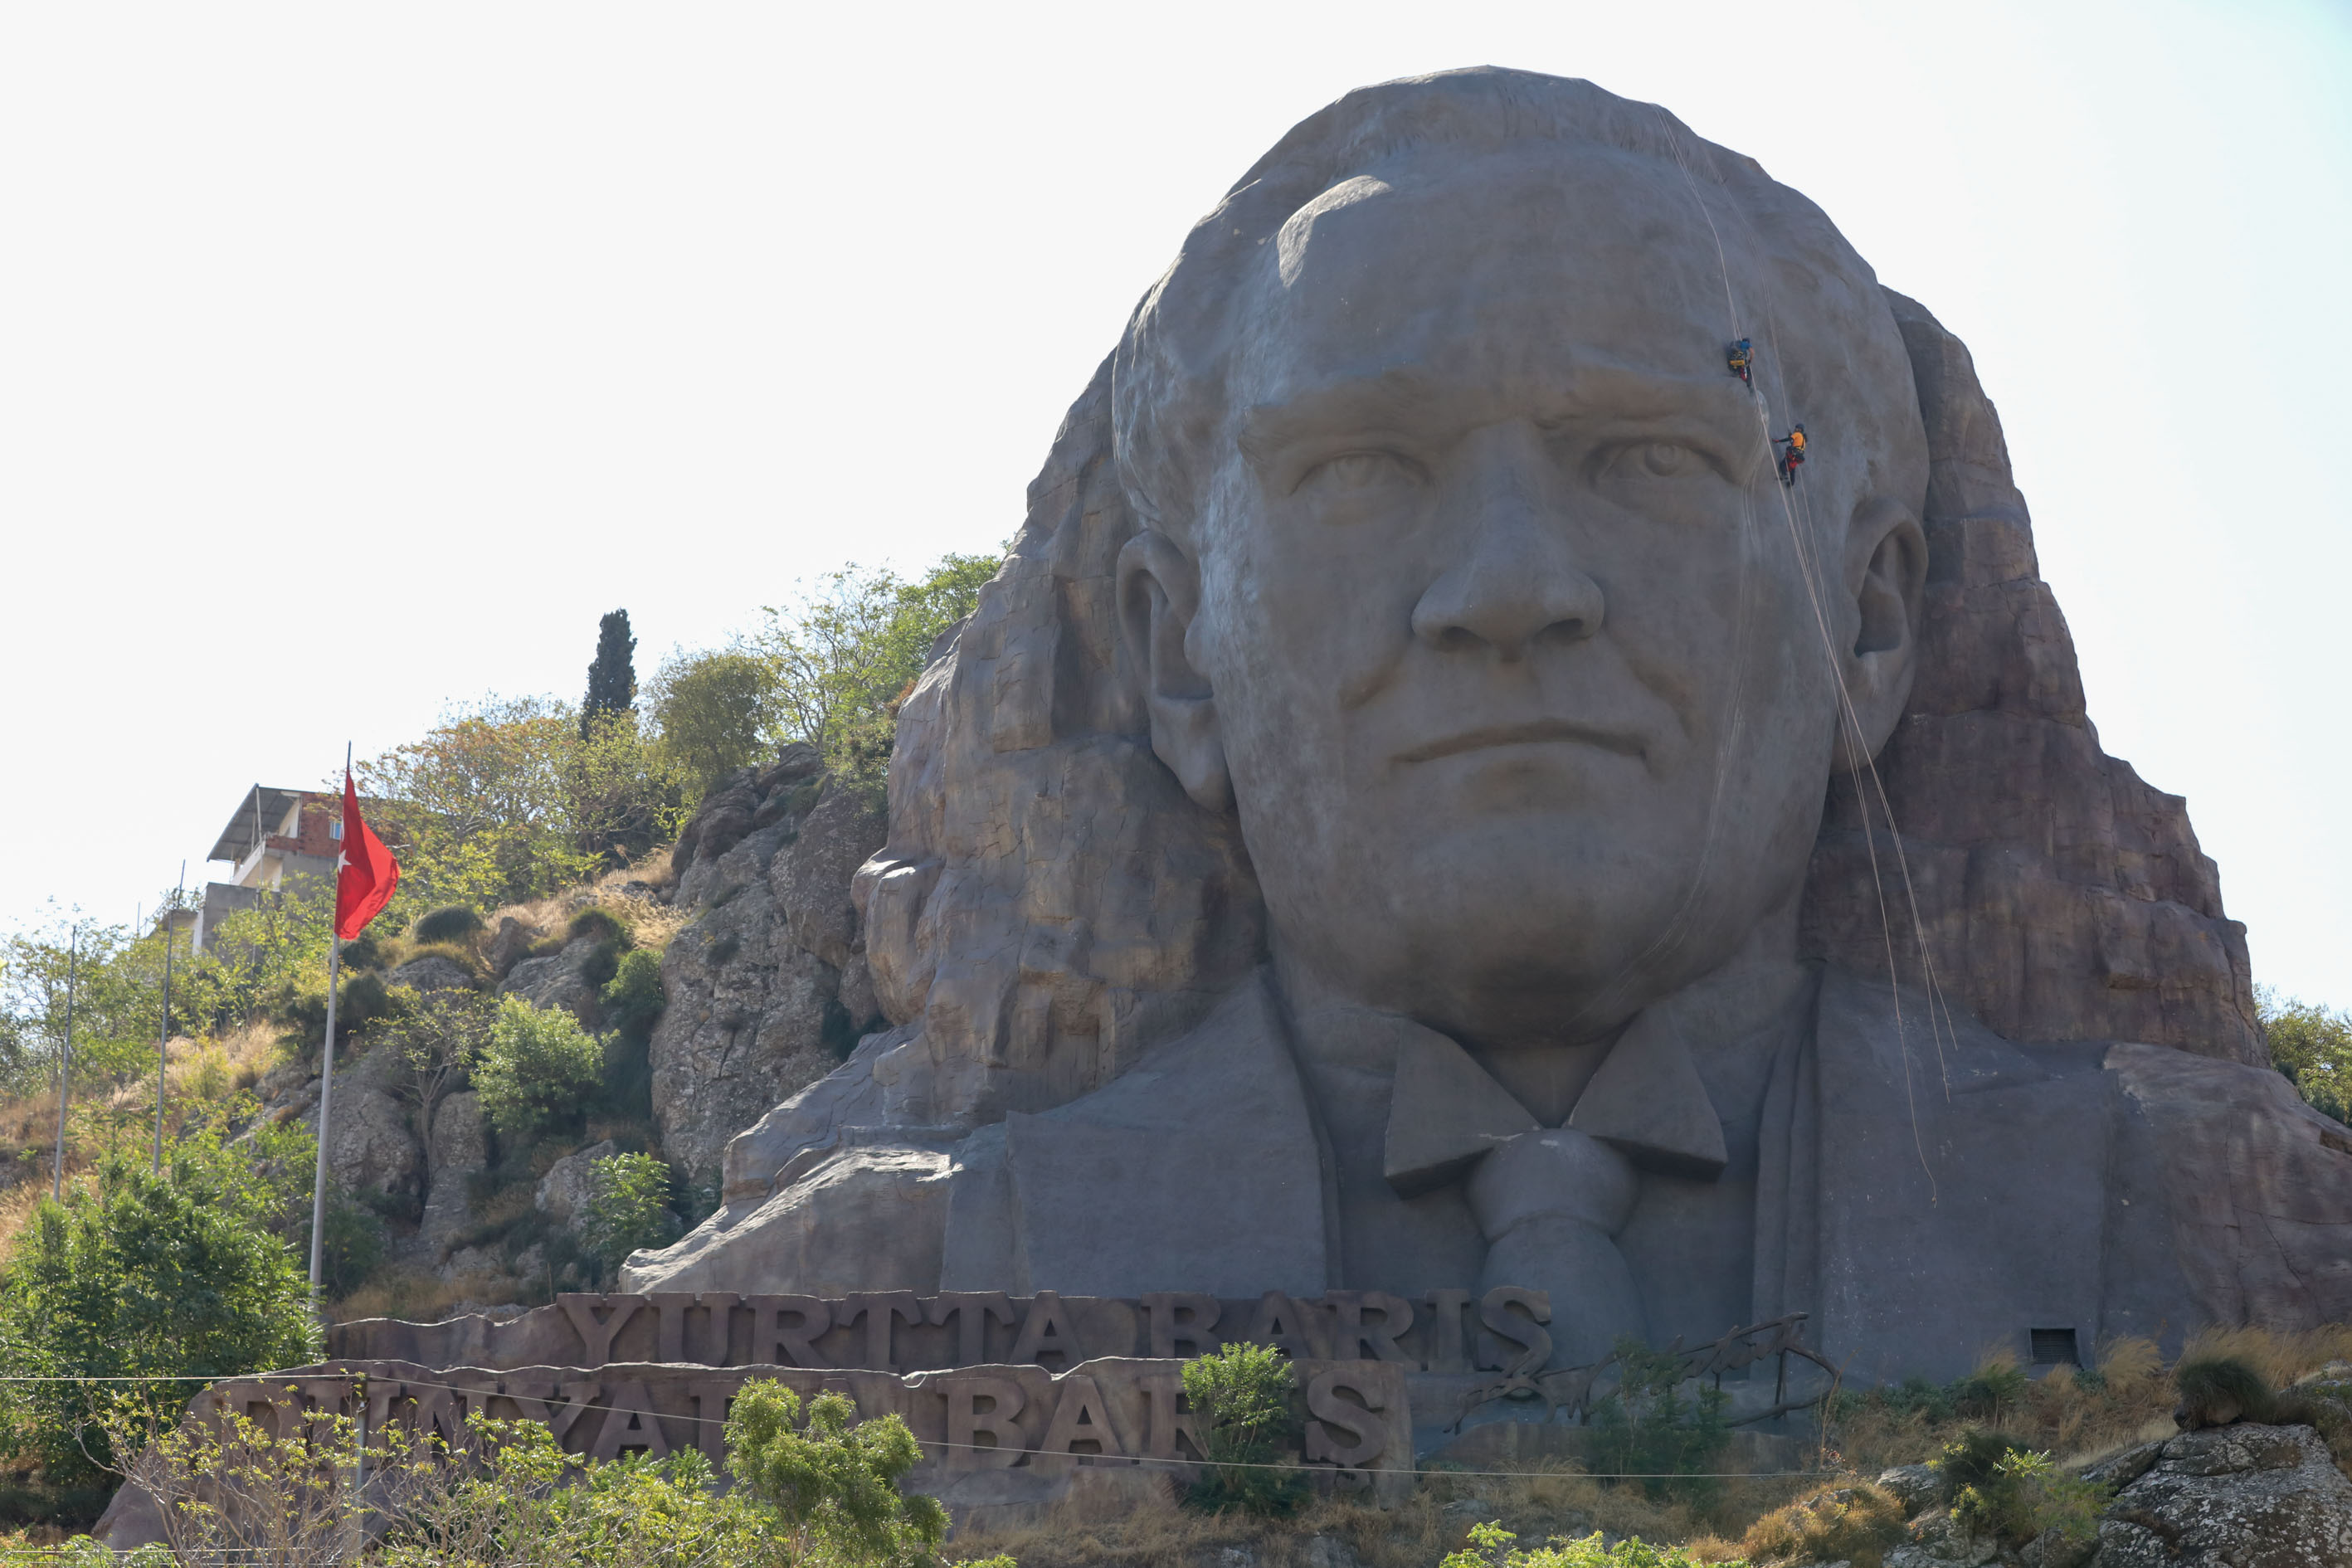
(419, 1297)
(650, 924)
(1112, 1529)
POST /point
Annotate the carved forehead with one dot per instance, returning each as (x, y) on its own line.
(1516, 265)
(1539, 186)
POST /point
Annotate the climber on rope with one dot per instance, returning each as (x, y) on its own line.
(1794, 441)
(1740, 358)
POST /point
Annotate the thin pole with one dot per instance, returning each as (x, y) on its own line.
(326, 1091)
(163, 1035)
(65, 1068)
(327, 1067)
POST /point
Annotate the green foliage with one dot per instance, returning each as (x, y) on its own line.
(2311, 1046)
(834, 1480)
(627, 1208)
(513, 799)
(843, 657)
(1241, 1396)
(1855, 1524)
(603, 925)
(1491, 1546)
(716, 711)
(351, 1244)
(1644, 1427)
(633, 999)
(183, 1276)
(613, 674)
(2018, 1494)
(535, 1067)
(450, 922)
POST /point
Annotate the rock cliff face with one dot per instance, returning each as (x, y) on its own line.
(768, 986)
(2061, 897)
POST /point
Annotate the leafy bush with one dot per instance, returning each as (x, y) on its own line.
(627, 1208)
(1853, 1524)
(2311, 1046)
(178, 1276)
(2020, 1495)
(536, 1065)
(1491, 1547)
(832, 1479)
(450, 922)
(352, 1245)
(602, 924)
(1645, 1428)
(1241, 1396)
(633, 999)
(715, 710)
(1996, 1387)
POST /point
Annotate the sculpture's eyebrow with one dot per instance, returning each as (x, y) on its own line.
(1597, 390)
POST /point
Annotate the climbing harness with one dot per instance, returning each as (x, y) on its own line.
(1794, 455)
(1739, 356)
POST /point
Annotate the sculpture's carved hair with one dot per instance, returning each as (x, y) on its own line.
(1051, 904)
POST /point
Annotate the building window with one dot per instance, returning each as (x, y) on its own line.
(334, 830)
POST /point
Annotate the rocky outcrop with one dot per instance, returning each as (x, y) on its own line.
(2234, 1496)
(431, 972)
(565, 979)
(458, 1149)
(767, 987)
(2058, 895)
(372, 1149)
(563, 1192)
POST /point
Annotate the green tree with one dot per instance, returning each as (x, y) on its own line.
(834, 1480)
(716, 712)
(843, 657)
(1242, 1394)
(2312, 1045)
(1644, 1427)
(536, 1067)
(181, 1276)
(627, 1208)
(613, 674)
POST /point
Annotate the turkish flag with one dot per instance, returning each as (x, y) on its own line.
(366, 872)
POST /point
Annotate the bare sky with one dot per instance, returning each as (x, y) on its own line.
(355, 360)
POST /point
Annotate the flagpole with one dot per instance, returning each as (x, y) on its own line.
(65, 1068)
(327, 1067)
(163, 1037)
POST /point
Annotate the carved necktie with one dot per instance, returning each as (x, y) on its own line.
(1550, 1201)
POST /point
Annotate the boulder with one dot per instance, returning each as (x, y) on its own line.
(2233, 1496)
(431, 973)
(457, 1148)
(565, 1191)
(512, 941)
(559, 980)
(372, 1148)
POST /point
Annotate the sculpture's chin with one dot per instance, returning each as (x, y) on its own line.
(1510, 927)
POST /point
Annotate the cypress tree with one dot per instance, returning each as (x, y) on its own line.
(613, 678)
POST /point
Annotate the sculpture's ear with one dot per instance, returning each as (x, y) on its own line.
(1885, 576)
(1159, 596)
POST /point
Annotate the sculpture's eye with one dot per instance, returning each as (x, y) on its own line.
(1357, 471)
(1665, 460)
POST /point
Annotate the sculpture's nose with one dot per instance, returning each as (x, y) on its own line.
(1516, 582)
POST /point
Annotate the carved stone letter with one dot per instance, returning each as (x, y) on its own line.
(1518, 1344)
(1352, 1337)
(971, 1309)
(967, 1422)
(1170, 1327)
(1045, 1331)
(597, 1333)
(770, 1331)
(1364, 1437)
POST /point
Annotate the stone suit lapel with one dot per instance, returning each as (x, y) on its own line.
(1209, 1148)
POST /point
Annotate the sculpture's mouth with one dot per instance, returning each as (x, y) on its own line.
(1541, 732)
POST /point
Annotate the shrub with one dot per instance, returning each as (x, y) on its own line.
(633, 999)
(176, 1276)
(1242, 1395)
(627, 1208)
(832, 1479)
(535, 1069)
(450, 922)
(1998, 1386)
(1855, 1524)
(1644, 1428)
(1490, 1547)
(602, 924)
(2016, 1494)
(352, 1245)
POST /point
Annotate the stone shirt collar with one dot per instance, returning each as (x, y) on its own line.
(1647, 1100)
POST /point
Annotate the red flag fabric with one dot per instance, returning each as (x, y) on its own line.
(366, 872)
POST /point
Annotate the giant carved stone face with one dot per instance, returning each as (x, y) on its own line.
(1490, 612)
